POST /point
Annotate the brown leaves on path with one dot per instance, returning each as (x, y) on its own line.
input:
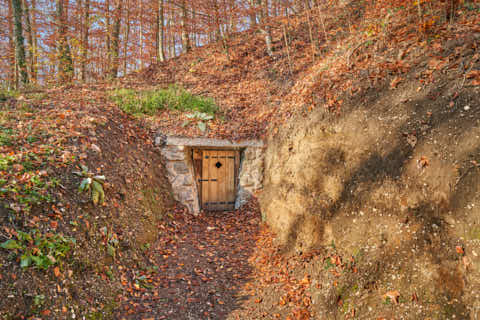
(198, 266)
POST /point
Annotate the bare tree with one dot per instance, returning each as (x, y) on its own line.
(19, 41)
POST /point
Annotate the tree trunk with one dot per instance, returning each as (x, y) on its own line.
(31, 45)
(109, 32)
(19, 41)
(116, 39)
(266, 29)
(12, 78)
(140, 34)
(183, 21)
(65, 61)
(85, 34)
(126, 38)
(161, 32)
(253, 14)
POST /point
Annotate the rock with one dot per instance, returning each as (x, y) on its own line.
(96, 148)
(173, 154)
(180, 167)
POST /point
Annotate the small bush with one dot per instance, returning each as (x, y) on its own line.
(6, 94)
(36, 249)
(151, 101)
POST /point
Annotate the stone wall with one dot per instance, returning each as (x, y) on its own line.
(177, 154)
(250, 178)
(181, 176)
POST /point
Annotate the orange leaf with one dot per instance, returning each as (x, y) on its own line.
(473, 74)
(392, 295)
(459, 250)
(46, 312)
(56, 271)
(394, 83)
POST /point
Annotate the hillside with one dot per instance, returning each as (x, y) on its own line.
(370, 204)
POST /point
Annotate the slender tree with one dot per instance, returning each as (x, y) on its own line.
(19, 41)
(12, 78)
(126, 38)
(30, 39)
(116, 39)
(85, 46)
(266, 28)
(184, 26)
(65, 61)
(161, 31)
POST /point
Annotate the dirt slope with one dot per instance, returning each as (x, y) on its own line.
(49, 135)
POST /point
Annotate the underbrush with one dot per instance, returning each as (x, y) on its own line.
(6, 94)
(151, 101)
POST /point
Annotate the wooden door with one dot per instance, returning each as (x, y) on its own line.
(218, 180)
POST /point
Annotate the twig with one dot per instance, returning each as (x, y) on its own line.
(355, 48)
(472, 62)
(4, 235)
(464, 174)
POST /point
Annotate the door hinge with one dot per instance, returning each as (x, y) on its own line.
(202, 180)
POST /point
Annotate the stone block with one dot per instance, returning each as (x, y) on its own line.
(173, 154)
(186, 195)
(250, 154)
(180, 167)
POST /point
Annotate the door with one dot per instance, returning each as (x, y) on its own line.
(218, 180)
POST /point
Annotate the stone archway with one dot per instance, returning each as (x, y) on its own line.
(178, 153)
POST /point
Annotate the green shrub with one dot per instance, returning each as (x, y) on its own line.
(36, 249)
(151, 101)
(5, 94)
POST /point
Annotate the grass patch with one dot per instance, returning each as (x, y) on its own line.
(151, 101)
(7, 94)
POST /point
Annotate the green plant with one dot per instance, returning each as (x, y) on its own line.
(39, 300)
(6, 138)
(41, 251)
(6, 94)
(200, 117)
(149, 102)
(6, 162)
(110, 239)
(92, 184)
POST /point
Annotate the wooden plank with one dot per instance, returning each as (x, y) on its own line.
(230, 180)
(197, 171)
(222, 183)
(205, 176)
(212, 176)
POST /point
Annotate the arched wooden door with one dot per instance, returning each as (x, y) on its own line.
(218, 179)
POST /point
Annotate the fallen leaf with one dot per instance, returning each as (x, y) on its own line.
(414, 297)
(466, 262)
(394, 83)
(56, 271)
(392, 295)
(460, 250)
(423, 162)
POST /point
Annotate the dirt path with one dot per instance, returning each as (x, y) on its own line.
(200, 264)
